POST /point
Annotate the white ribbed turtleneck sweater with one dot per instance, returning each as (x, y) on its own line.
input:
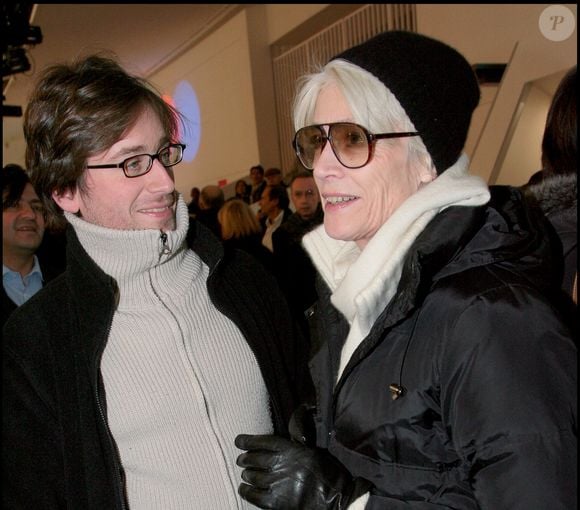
(180, 380)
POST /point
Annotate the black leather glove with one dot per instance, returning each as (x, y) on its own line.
(285, 475)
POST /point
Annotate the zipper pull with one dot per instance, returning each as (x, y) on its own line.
(166, 250)
(396, 391)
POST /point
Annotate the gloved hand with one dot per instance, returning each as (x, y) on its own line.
(285, 475)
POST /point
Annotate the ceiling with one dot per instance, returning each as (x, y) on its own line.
(144, 37)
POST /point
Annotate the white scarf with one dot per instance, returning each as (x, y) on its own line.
(364, 282)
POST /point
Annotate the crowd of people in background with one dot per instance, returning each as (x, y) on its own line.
(272, 231)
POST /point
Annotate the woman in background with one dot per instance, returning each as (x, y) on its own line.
(240, 229)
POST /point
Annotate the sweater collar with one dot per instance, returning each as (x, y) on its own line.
(137, 258)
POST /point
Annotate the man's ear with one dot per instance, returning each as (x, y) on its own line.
(67, 200)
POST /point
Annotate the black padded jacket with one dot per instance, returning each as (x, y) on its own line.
(486, 368)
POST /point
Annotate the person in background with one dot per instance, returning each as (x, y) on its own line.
(241, 191)
(273, 177)
(274, 210)
(554, 189)
(24, 273)
(126, 380)
(294, 268)
(210, 201)
(446, 378)
(258, 183)
(193, 206)
(240, 229)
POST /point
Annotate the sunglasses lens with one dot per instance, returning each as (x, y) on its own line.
(350, 144)
(309, 143)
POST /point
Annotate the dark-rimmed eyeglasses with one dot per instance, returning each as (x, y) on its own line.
(135, 166)
(352, 144)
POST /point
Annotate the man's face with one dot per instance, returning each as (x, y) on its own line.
(256, 176)
(23, 224)
(305, 197)
(266, 205)
(115, 201)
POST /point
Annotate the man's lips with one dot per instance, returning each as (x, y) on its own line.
(26, 228)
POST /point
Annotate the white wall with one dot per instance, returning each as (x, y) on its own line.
(523, 155)
(282, 18)
(218, 68)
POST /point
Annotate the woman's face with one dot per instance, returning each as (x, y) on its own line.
(241, 188)
(357, 202)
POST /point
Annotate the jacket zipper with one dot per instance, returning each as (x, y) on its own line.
(165, 249)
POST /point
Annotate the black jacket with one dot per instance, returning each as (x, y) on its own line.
(50, 270)
(487, 370)
(57, 448)
(557, 196)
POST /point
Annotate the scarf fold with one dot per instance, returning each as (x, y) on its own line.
(364, 282)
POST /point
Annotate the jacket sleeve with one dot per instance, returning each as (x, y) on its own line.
(32, 471)
(509, 399)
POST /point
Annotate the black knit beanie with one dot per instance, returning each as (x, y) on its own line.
(433, 82)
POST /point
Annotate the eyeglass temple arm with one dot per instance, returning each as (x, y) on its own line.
(393, 135)
(119, 165)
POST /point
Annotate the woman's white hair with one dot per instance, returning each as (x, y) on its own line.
(372, 104)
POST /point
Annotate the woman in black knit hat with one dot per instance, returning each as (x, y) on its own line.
(445, 378)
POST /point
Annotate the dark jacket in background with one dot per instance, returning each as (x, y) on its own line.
(252, 244)
(209, 217)
(294, 269)
(52, 259)
(57, 449)
(488, 415)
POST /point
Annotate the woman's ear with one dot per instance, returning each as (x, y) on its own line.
(67, 200)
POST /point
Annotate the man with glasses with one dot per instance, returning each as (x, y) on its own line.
(127, 380)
